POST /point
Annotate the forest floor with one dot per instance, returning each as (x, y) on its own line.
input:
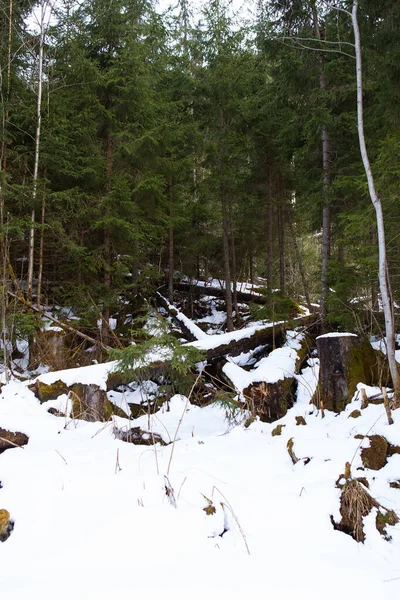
(220, 510)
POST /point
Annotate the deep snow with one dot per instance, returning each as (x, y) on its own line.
(92, 519)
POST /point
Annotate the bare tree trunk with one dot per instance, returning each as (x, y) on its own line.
(326, 167)
(107, 242)
(269, 216)
(281, 236)
(41, 246)
(31, 249)
(384, 280)
(171, 243)
(227, 269)
(225, 230)
(234, 277)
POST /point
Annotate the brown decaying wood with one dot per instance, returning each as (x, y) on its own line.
(364, 398)
(387, 406)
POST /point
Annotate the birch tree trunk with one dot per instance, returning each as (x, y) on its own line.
(44, 7)
(384, 280)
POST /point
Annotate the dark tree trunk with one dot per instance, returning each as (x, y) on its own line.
(171, 243)
(225, 229)
(107, 242)
(345, 360)
(281, 235)
(269, 217)
(327, 177)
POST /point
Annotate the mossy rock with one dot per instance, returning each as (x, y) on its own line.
(118, 411)
(355, 414)
(90, 403)
(383, 519)
(278, 430)
(12, 439)
(45, 391)
(301, 421)
(117, 378)
(375, 457)
(395, 484)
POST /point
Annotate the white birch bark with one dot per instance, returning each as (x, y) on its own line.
(384, 282)
(45, 14)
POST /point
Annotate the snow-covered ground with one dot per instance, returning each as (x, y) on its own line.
(93, 521)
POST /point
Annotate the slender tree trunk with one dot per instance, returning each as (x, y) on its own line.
(31, 248)
(171, 242)
(281, 236)
(227, 269)
(384, 280)
(269, 217)
(41, 245)
(234, 277)
(225, 230)
(327, 178)
(107, 243)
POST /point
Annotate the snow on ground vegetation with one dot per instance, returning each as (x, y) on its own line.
(93, 518)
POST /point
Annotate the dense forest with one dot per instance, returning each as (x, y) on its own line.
(199, 268)
(139, 147)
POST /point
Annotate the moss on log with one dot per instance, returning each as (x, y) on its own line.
(345, 360)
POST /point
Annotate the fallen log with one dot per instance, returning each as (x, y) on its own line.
(249, 338)
(219, 292)
(269, 390)
(190, 330)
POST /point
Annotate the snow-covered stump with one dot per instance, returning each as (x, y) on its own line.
(269, 389)
(90, 402)
(345, 360)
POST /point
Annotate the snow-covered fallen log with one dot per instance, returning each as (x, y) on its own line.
(188, 327)
(268, 389)
(246, 339)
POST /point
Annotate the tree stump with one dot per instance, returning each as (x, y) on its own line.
(90, 402)
(345, 360)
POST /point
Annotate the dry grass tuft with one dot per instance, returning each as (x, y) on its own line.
(355, 503)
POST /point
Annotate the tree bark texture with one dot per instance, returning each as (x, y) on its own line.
(384, 280)
(345, 360)
(171, 242)
(31, 249)
(269, 217)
